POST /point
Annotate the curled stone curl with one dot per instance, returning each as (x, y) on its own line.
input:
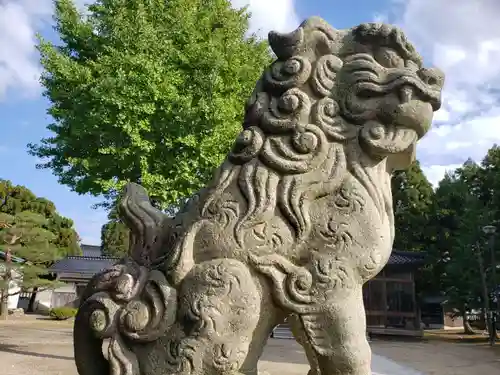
(144, 318)
(285, 113)
(326, 114)
(140, 316)
(323, 79)
(247, 145)
(299, 152)
(293, 285)
(283, 75)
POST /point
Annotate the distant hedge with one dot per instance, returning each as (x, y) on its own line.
(62, 313)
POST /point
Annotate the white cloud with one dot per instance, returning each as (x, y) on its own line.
(21, 19)
(461, 38)
(277, 15)
(435, 173)
(380, 18)
(18, 61)
(20, 70)
(455, 143)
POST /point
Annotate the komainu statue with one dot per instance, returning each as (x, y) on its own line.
(295, 220)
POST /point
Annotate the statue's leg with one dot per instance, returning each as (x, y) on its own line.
(337, 335)
(219, 323)
(300, 336)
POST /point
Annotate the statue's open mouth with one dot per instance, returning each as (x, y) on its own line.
(408, 101)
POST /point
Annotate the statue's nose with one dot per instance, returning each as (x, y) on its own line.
(432, 77)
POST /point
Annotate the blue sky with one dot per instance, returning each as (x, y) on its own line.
(460, 38)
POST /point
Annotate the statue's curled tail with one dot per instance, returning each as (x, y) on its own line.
(129, 303)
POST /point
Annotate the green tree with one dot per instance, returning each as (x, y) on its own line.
(115, 236)
(412, 199)
(115, 239)
(149, 91)
(457, 253)
(486, 182)
(25, 236)
(15, 199)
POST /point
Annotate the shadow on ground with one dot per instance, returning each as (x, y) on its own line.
(8, 348)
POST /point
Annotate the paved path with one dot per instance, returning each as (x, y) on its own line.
(442, 358)
(45, 348)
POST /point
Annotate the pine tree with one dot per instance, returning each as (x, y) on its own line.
(32, 231)
(24, 236)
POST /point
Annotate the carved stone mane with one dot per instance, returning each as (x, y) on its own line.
(298, 216)
(303, 128)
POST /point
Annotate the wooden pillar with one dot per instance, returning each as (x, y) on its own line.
(416, 309)
(384, 295)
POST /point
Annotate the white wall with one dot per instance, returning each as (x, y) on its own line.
(14, 288)
(43, 300)
(13, 299)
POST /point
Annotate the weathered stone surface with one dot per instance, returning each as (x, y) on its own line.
(296, 219)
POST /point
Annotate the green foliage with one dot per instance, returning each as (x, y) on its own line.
(149, 91)
(63, 313)
(412, 199)
(27, 239)
(115, 236)
(457, 219)
(465, 201)
(115, 239)
(35, 234)
(18, 200)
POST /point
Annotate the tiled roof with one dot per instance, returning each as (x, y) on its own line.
(91, 250)
(14, 258)
(82, 264)
(406, 258)
(90, 265)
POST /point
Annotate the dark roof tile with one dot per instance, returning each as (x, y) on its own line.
(406, 258)
(90, 265)
(91, 250)
(83, 264)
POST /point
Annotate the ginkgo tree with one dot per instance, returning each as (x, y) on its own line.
(149, 91)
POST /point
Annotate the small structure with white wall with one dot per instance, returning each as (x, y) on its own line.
(15, 282)
(75, 272)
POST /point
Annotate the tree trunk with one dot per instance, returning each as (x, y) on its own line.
(486, 299)
(7, 278)
(4, 305)
(4, 293)
(468, 330)
(31, 303)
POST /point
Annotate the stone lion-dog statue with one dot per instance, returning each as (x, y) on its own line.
(295, 220)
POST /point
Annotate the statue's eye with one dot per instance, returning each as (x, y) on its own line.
(389, 58)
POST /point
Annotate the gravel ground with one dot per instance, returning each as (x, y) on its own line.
(45, 348)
